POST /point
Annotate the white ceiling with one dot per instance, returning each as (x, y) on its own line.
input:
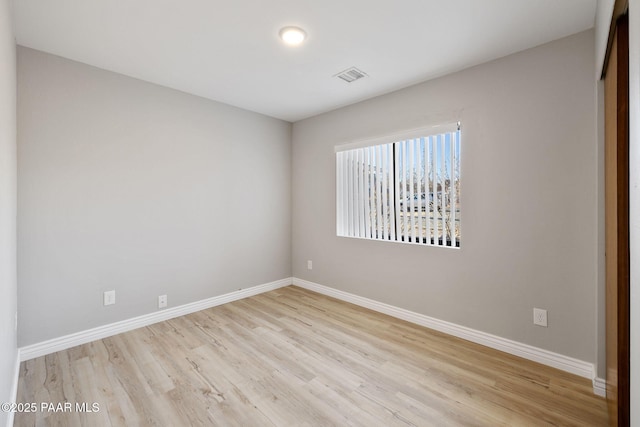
(229, 50)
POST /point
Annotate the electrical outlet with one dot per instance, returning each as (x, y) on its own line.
(162, 301)
(309, 265)
(109, 297)
(540, 317)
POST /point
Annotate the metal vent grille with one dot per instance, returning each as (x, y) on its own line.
(351, 75)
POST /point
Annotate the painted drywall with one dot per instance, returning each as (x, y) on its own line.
(8, 292)
(601, 309)
(604, 12)
(529, 197)
(634, 202)
(130, 186)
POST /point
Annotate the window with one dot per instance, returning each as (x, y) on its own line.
(402, 191)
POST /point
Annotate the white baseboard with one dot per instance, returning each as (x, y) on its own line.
(14, 389)
(565, 363)
(56, 344)
(559, 361)
(600, 386)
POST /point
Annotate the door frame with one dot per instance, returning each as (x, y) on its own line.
(617, 218)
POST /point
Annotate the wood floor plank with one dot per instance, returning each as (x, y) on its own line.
(291, 357)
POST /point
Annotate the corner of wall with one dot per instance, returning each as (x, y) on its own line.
(634, 198)
(13, 396)
(599, 255)
(9, 356)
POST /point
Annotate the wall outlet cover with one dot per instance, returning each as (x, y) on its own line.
(162, 301)
(540, 317)
(109, 298)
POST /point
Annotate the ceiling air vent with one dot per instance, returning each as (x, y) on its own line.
(351, 75)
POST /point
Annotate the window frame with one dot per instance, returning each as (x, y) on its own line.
(358, 187)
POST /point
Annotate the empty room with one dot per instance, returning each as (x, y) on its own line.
(299, 213)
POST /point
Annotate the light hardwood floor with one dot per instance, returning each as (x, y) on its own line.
(291, 357)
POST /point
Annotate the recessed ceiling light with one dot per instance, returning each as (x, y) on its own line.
(292, 36)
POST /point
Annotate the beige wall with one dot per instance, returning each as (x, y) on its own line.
(529, 197)
(129, 186)
(8, 305)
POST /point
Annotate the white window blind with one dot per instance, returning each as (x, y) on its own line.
(406, 190)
